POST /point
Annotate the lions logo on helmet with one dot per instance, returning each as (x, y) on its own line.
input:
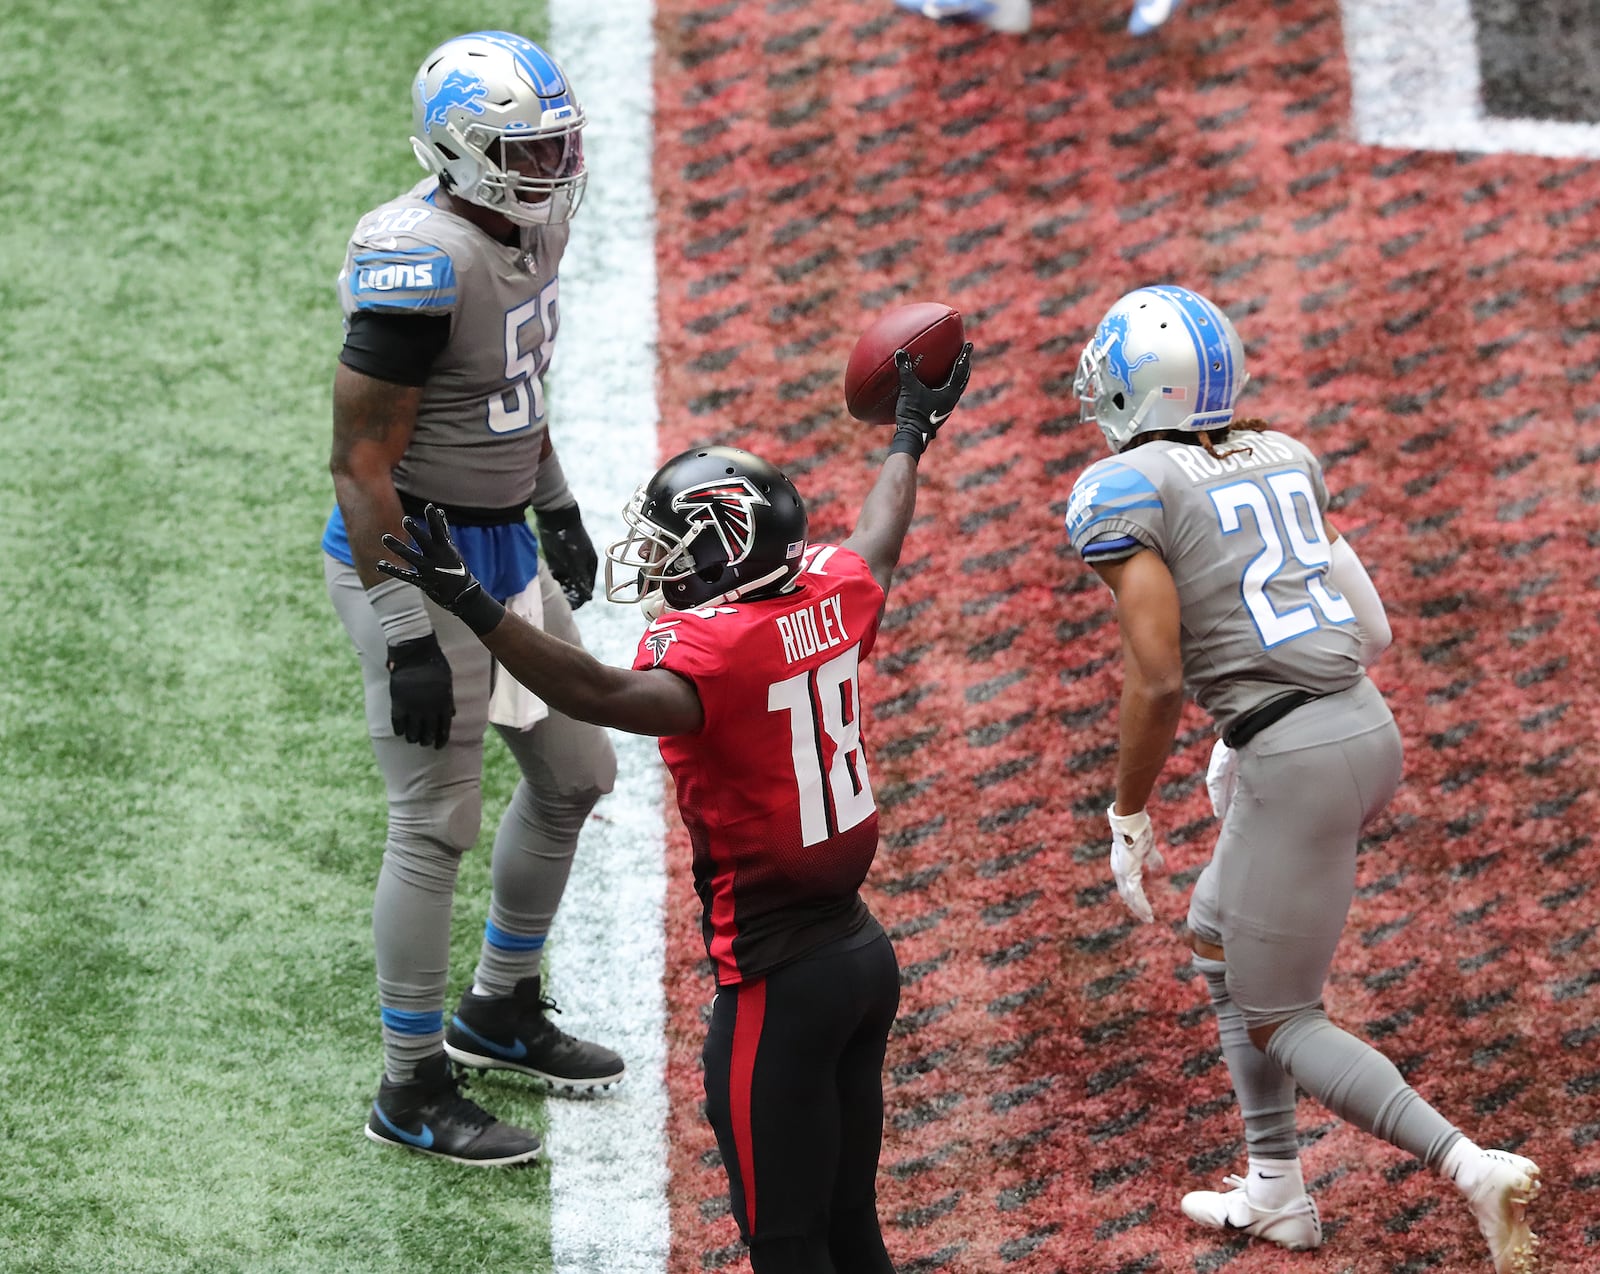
(457, 89)
(1113, 338)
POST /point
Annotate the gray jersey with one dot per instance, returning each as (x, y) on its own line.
(1244, 540)
(481, 424)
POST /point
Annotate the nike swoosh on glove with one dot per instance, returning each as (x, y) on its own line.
(437, 569)
(1133, 849)
(921, 409)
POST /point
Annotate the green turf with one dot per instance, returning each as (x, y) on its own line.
(190, 820)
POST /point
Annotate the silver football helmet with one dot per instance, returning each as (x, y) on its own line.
(1163, 357)
(496, 120)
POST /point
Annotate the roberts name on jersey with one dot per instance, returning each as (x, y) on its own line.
(1264, 449)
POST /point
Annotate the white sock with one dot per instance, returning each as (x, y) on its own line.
(481, 991)
(1464, 1152)
(1273, 1183)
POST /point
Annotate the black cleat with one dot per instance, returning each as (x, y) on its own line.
(511, 1032)
(429, 1115)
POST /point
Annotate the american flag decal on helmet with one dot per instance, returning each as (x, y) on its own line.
(726, 508)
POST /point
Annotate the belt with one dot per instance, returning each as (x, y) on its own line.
(1258, 719)
(463, 515)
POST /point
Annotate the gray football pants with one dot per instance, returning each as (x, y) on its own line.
(435, 809)
(1275, 896)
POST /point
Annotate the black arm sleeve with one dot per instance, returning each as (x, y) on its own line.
(398, 348)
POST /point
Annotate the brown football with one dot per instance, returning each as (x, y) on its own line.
(930, 332)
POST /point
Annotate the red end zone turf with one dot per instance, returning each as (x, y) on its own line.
(1425, 322)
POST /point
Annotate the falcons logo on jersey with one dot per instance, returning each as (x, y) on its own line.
(727, 509)
(657, 639)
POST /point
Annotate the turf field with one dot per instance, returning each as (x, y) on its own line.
(189, 815)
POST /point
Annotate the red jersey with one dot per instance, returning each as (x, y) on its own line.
(773, 787)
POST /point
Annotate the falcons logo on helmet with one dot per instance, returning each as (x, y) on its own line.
(727, 509)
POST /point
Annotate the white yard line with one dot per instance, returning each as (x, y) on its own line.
(608, 1157)
(1415, 84)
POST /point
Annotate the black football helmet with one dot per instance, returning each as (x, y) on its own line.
(714, 524)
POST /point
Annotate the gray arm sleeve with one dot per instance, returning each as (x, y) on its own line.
(550, 490)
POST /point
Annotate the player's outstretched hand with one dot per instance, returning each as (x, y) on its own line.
(568, 552)
(1133, 849)
(1222, 777)
(439, 571)
(921, 409)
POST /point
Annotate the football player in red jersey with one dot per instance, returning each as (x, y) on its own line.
(749, 672)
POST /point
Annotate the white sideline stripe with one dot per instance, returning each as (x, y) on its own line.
(1415, 84)
(608, 1155)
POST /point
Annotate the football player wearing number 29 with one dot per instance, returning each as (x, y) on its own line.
(749, 673)
(450, 301)
(1228, 582)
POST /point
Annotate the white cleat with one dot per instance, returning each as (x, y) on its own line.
(1499, 1186)
(1295, 1226)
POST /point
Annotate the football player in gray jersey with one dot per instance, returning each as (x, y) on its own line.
(1230, 584)
(450, 301)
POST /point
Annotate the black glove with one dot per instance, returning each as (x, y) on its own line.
(440, 572)
(568, 552)
(921, 409)
(420, 699)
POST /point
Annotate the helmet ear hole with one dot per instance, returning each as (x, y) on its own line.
(1119, 401)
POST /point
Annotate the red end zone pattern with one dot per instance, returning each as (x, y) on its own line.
(1427, 323)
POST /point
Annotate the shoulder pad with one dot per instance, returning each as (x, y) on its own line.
(419, 279)
(1104, 490)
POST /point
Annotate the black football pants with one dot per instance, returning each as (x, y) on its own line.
(794, 1091)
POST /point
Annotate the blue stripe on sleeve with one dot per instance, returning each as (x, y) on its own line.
(1109, 490)
(418, 279)
(1119, 544)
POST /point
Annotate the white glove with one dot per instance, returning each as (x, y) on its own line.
(1222, 777)
(1133, 848)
